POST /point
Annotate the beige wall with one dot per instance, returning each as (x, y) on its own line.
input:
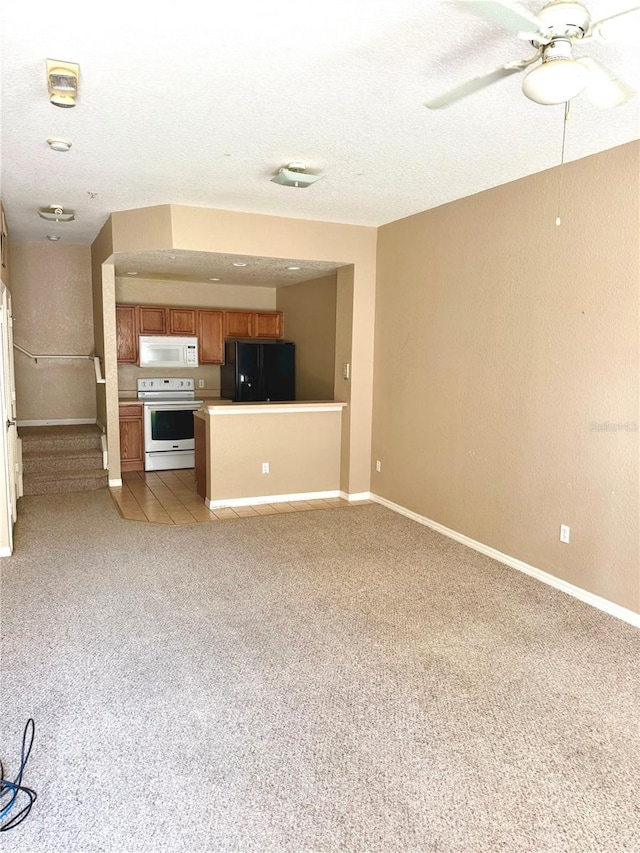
(302, 449)
(310, 321)
(52, 307)
(503, 343)
(145, 291)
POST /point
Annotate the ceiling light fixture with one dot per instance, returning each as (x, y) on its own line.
(214, 279)
(58, 144)
(560, 77)
(294, 268)
(56, 213)
(62, 81)
(132, 272)
(295, 175)
(239, 264)
(172, 257)
(53, 238)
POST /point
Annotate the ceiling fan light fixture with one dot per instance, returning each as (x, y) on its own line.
(558, 79)
(56, 213)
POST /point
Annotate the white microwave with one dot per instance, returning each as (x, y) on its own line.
(168, 351)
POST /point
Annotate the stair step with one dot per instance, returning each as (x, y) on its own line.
(41, 461)
(68, 437)
(83, 480)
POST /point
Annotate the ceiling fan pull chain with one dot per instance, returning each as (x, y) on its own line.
(567, 116)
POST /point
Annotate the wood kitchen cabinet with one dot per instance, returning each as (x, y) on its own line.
(161, 320)
(211, 325)
(131, 437)
(268, 324)
(126, 334)
(210, 337)
(182, 321)
(153, 320)
(254, 324)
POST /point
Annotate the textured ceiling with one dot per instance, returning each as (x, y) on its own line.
(178, 265)
(199, 104)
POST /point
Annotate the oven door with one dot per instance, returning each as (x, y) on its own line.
(168, 426)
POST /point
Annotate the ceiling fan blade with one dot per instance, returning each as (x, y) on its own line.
(604, 89)
(472, 86)
(509, 16)
(620, 27)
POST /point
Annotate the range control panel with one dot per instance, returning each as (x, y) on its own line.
(166, 385)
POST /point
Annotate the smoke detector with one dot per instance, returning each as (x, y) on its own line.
(56, 213)
(58, 144)
(62, 80)
(294, 175)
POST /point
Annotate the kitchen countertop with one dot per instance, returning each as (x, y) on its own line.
(222, 407)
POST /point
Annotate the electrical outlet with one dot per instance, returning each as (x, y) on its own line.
(565, 530)
(265, 467)
(200, 383)
(346, 370)
(378, 465)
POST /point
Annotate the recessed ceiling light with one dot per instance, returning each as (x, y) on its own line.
(214, 279)
(172, 257)
(294, 268)
(238, 264)
(53, 238)
(58, 144)
(131, 272)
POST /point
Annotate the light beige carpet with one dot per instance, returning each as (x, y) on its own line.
(321, 681)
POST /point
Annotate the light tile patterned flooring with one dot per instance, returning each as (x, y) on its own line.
(170, 497)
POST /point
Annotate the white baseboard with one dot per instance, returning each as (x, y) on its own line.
(57, 422)
(356, 496)
(114, 484)
(271, 499)
(597, 601)
(5, 551)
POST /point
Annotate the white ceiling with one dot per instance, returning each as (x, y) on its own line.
(199, 104)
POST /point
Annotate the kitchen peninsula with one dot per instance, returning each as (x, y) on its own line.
(249, 453)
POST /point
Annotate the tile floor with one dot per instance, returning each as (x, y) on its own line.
(169, 497)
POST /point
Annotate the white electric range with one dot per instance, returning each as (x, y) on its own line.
(168, 406)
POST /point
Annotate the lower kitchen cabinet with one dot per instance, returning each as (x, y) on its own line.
(131, 438)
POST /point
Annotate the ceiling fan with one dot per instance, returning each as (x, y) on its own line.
(552, 31)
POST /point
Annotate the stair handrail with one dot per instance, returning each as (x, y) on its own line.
(94, 358)
(47, 355)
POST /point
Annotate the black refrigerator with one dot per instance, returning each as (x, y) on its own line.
(255, 371)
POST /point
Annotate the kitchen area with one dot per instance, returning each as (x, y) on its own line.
(183, 369)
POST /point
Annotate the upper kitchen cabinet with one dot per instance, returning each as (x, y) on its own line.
(126, 334)
(210, 337)
(161, 320)
(268, 324)
(238, 324)
(153, 320)
(182, 321)
(253, 324)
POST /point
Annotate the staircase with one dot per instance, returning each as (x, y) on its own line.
(58, 459)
